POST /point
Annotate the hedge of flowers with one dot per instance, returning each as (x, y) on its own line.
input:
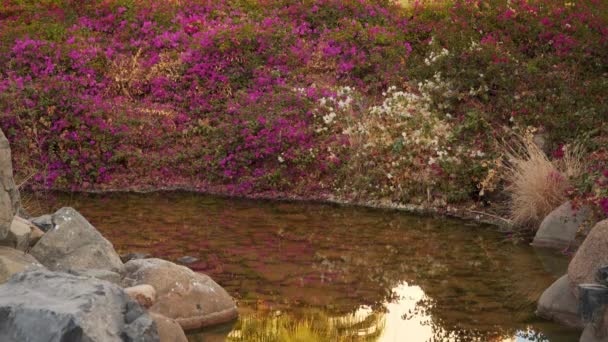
(306, 98)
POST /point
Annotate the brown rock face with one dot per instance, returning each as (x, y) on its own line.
(591, 255)
(9, 195)
(559, 228)
(192, 299)
(13, 261)
(558, 303)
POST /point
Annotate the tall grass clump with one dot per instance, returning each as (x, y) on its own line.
(536, 184)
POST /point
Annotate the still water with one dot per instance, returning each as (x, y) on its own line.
(316, 272)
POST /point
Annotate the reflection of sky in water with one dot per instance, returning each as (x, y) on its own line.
(404, 321)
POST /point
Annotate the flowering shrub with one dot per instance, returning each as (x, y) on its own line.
(308, 98)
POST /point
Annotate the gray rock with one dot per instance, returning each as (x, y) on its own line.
(13, 261)
(106, 275)
(559, 228)
(559, 304)
(187, 260)
(75, 244)
(44, 222)
(9, 195)
(134, 256)
(192, 299)
(19, 235)
(52, 306)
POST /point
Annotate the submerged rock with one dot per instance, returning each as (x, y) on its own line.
(591, 256)
(9, 195)
(187, 260)
(74, 243)
(13, 261)
(192, 299)
(559, 228)
(559, 304)
(52, 306)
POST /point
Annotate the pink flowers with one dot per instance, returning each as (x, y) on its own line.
(604, 205)
(194, 92)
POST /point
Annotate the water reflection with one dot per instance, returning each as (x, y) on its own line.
(326, 272)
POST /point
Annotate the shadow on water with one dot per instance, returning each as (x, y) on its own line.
(312, 272)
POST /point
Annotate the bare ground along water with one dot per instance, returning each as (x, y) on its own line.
(329, 272)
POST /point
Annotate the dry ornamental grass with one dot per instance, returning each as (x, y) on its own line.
(538, 185)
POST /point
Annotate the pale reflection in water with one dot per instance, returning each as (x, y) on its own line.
(399, 320)
(333, 273)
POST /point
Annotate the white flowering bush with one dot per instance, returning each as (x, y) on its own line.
(405, 148)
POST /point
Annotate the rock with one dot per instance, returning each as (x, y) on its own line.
(106, 275)
(591, 335)
(9, 195)
(559, 228)
(44, 222)
(134, 256)
(53, 306)
(74, 243)
(19, 234)
(168, 329)
(35, 236)
(144, 294)
(193, 299)
(596, 331)
(591, 255)
(187, 260)
(13, 261)
(559, 304)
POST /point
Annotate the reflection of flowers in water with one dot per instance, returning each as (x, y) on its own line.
(312, 326)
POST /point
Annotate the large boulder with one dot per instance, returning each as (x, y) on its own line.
(559, 228)
(193, 299)
(13, 261)
(168, 329)
(9, 195)
(591, 255)
(52, 306)
(74, 243)
(559, 304)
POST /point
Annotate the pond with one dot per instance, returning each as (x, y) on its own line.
(319, 272)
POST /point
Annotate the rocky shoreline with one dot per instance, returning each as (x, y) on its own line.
(61, 280)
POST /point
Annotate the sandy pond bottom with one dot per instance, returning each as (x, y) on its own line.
(329, 273)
